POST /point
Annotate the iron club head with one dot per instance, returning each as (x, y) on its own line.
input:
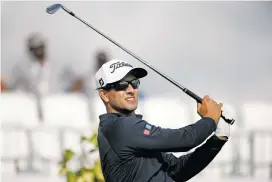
(53, 8)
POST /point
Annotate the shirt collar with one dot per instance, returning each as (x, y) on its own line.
(113, 115)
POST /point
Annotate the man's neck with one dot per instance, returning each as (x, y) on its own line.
(120, 111)
(42, 61)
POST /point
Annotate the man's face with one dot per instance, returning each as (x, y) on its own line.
(126, 99)
(38, 52)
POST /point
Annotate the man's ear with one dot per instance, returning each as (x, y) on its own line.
(104, 95)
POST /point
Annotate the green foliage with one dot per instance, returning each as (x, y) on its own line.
(83, 173)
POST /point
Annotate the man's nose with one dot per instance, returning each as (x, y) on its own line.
(130, 89)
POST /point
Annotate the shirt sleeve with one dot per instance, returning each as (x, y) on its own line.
(14, 79)
(187, 166)
(144, 136)
(66, 78)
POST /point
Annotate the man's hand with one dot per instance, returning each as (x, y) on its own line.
(223, 128)
(209, 108)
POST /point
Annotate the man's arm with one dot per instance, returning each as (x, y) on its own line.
(144, 136)
(13, 80)
(187, 166)
(131, 133)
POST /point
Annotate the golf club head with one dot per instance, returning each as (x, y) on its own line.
(53, 8)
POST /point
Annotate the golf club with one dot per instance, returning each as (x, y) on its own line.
(55, 7)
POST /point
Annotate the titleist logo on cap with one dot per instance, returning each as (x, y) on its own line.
(117, 65)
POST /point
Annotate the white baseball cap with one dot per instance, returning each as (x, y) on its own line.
(115, 70)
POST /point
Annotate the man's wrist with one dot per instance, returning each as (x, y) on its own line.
(222, 137)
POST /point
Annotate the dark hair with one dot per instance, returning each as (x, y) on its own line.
(35, 40)
(101, 58)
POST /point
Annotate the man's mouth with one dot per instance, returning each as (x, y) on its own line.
(130, 98)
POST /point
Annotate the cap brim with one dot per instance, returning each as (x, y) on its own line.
(137, 72)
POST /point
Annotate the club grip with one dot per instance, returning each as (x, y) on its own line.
(193, 95)
(199, 100)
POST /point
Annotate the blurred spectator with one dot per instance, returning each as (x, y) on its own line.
(35, 74)
(101, 58)
(3, 86)
(83, 83)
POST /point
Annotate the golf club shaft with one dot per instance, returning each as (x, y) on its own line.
(187, 91)
(197, 98)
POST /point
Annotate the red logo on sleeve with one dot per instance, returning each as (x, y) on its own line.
(146, 132)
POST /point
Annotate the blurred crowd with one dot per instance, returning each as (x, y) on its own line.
(38, 76)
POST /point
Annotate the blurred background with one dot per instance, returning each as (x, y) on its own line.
(48, 98)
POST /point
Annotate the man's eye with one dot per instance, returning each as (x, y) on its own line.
(123, 83)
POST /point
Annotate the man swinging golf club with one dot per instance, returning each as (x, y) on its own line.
(132, 150)
(55, 7)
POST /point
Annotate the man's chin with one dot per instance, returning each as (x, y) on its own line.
(125, 110)
(129, 110)
(132, 109)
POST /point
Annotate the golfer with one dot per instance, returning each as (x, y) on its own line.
(133, 150)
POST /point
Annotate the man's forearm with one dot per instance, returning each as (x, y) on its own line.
(189, 165)
(169, 140)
